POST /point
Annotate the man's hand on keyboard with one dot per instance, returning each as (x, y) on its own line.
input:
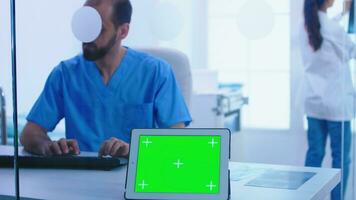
(60, 147)
(115, 148)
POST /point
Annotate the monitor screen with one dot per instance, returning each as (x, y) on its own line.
(178, 164)
(351, 28)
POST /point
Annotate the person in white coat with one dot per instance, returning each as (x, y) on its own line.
(328, 89)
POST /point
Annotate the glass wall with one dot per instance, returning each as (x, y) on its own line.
(7, 180)
(44, 38)
(339, 108)
(255, 50)
(348, 99)
(350, 192)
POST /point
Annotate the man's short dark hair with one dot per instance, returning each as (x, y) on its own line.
(122, 12)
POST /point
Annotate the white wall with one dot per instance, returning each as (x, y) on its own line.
(178, 24)
(249, 43)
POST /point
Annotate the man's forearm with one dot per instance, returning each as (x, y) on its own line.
(32, 138)
(181, 125)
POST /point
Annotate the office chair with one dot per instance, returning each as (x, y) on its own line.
(181, 68)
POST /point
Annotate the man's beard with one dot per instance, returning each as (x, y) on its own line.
(92, 52)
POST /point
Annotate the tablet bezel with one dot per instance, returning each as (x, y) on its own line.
(224, 166)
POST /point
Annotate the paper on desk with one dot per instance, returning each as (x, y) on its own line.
(281, 179)
(238, 173)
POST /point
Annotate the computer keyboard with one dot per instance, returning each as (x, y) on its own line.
(64, 162)
(3, 197)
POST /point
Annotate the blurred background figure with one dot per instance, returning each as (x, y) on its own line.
(326, 51)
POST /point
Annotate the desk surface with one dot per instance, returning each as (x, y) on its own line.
(82, 184)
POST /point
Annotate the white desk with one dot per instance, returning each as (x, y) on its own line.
(87, 185)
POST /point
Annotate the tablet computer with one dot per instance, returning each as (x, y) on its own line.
(179, 164)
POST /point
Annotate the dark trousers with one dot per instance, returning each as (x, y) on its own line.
(318, 130)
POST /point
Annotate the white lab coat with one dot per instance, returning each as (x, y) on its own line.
(327, 86)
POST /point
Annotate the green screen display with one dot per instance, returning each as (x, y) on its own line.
(178, 164)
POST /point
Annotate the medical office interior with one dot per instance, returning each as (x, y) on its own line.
(239, 64)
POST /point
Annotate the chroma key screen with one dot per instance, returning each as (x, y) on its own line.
(178, 164)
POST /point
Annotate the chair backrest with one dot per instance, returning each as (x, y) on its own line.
(181, 68)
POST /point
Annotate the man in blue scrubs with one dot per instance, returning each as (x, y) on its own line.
(104, 93)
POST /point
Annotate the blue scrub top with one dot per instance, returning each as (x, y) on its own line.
(142, 93)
